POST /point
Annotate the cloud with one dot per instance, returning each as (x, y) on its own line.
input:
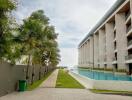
(69, 57)
(72, 18)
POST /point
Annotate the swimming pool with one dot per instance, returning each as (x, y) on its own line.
(102, 75)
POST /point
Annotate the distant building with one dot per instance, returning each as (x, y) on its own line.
(109, 44)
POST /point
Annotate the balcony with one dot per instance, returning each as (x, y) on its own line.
(114, 60)
(105, 60)
(115, 51)
(129, 44)
(114, 40)
(97, 60)
(128, 16)
(115, 47)
(114, 34)
(129, 58)
(128, 29)
(114, 24)
(114, 28)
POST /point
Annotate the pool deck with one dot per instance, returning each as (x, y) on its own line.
(103, 84)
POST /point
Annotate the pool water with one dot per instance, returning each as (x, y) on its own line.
(102, 75)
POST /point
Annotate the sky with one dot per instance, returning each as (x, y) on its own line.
(73, 19)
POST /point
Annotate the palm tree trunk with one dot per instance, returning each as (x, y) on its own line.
(33, 73)
(28, 65)
(40, 73)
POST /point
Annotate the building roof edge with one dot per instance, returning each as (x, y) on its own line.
(110, 11)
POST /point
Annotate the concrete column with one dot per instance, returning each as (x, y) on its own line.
(109, 44)
(85, 45)
(101, 47)
(131, 8)
(88, 53)
(79, 56)
(91, 52)
(83, 56)
(121, 40)
(96, 50)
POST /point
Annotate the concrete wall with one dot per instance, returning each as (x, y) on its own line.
(79, 56)
(85, 55)
(81, 50)
(121, 40)
(96, 50)
(101, 47)
(11, 74)
(109, 44)
(91, 51)
(88, 53)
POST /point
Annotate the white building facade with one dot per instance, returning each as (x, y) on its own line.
(109, 44)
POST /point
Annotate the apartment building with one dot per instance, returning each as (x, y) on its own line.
(109, 44)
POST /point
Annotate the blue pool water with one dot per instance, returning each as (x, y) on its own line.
(102, 76)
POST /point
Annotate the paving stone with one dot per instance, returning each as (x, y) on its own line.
(50, 82)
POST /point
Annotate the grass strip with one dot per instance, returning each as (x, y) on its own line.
(64, 80)
(111, 92)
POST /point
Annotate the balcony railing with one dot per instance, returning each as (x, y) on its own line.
(129, 57)
(115, 48)
(114, 24)
(114, 59)
(128, 29)
(105, 59)
(127, 15)
(98, 60)
(129, 43)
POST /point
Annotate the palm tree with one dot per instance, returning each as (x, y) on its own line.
(38, 41)
(37, 38)
(28, 34)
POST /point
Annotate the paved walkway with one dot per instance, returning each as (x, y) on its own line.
(62, 94)
(50, 82)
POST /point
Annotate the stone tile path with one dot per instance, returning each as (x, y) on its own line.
(50, 82)
(62, 94)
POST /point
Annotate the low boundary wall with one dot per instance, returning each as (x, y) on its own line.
(102, 84)
(11, 74)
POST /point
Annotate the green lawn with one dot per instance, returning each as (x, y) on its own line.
(37, 83)
(64, 80)
(111, 92)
